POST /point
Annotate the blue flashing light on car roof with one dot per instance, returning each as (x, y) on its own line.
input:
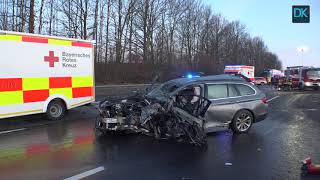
(191, 75)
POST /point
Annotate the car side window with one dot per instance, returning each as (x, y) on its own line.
(233, 92)
(245, 90)
(216, 91)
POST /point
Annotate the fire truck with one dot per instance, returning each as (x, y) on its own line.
(304, 77)
(44, 74)
(246, 71)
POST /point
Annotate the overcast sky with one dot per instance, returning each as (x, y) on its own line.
(272, 20)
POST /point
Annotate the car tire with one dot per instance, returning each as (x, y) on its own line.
(242, 122)
(56, 110)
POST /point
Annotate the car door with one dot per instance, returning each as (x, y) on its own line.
(223, 97)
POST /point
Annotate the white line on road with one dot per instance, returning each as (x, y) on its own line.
(273, 98)
(312, 109)
(14, 130)
(86, 174)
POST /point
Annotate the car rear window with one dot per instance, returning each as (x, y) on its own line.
(216, 91)
(245, 90)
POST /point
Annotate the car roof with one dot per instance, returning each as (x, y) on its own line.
(222, 77)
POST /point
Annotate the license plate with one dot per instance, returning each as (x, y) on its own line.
(112, 120)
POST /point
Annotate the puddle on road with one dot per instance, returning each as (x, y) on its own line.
(49, 147)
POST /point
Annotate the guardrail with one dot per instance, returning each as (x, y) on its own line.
(118, 90)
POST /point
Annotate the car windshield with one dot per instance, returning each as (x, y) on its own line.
(164, 90)
(314, 73)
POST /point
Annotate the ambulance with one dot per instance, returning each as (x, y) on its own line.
(44, 74)
(247, 71)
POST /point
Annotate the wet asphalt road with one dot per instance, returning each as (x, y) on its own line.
(273, 149)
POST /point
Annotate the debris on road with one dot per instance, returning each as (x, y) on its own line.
(228, 164)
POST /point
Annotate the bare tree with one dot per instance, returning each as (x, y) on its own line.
(41, 16)
(143, 36)
(31, 17)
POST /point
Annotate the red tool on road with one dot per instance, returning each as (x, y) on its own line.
(309, 168)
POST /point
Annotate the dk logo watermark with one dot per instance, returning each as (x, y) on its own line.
(300, 14)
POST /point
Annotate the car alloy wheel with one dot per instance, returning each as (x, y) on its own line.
(243, 122)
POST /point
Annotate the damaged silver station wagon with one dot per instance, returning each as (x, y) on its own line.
(186, 109)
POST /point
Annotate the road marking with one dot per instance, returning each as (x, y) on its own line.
(312, 109)
(85, 174)
(14, 130)
(273, 98)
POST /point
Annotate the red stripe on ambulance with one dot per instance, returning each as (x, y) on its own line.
(60, 82)
(82, 92)
(10, 84)
(34, 39)
(35, 95)
(81, 44)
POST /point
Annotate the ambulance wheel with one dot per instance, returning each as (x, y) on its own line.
(56, 110)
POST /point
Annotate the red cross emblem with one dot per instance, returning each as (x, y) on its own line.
(51, 59)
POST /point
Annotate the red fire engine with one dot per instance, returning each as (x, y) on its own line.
(304, 77)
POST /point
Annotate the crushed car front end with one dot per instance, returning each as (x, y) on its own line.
(160, 119)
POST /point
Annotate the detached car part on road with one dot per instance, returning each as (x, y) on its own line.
(186, 109)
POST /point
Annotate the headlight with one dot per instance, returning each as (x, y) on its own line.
(307, 84)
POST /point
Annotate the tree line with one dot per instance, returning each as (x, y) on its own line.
(136, 39)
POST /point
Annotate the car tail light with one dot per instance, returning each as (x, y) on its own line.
(264, 100)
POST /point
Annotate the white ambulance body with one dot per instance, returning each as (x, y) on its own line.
(247, 71)
(44, 74)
